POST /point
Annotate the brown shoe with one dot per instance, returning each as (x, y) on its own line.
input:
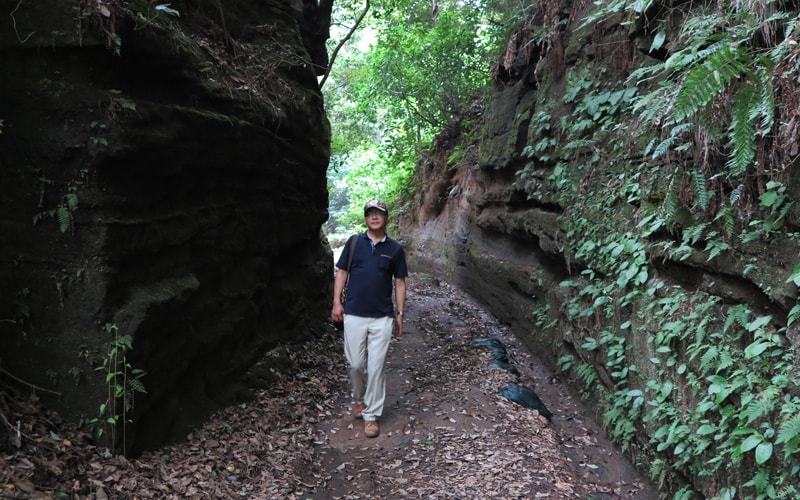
(358, 410)
(371, 428)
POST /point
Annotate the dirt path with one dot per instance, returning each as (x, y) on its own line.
(447, 433)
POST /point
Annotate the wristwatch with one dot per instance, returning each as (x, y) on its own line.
(399, 313)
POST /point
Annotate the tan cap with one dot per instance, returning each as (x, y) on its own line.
(379, 204)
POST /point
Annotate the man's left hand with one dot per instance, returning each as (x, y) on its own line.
(397, 329)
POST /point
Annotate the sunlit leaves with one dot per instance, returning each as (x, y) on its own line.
(408, 71)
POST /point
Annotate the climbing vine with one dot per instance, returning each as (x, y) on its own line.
(700, 179)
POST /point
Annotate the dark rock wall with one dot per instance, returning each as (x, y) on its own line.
(175, 190)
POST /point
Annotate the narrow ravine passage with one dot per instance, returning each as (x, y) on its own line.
(446, 432)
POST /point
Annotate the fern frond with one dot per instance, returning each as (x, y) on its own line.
(708, 80)
(663, 147)
(651, 106)
(644, 74)
(64, 218)
(725, 361)
(72, 201)
(794, 313)
(784, 210)
(766, 105)
(736, 195)
(760, 406)
(696, 32)
(691, 235)
(737, 313)
(741, 133)
(726, 214)
(700, 188)
(672, 202)
(708, 357)
(136, 385)
(649, 147)
(789, 430)
(667, 143)
(784, 49)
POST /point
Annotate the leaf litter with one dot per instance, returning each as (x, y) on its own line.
(446, 430)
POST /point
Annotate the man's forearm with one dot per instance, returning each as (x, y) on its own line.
(400, 294)
(338, 285)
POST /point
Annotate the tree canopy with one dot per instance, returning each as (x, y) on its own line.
(405, 70)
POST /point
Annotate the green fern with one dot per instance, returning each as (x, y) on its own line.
(699, 188)
(707, 81)
(761, 406)
(64, 217)
(783, 50)
(735, 195)
(739, 313)
(136, 385)
(726, 214)
(741, 138)
(691, 235)
(697, 32)
(674, 135)
(789, 433)
(72, 201)
(766, 106)
(672, 202)
(725, 361)
(794, 313)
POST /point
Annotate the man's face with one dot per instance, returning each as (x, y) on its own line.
(375, 219)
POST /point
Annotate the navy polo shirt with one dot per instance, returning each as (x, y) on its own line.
(369, 293)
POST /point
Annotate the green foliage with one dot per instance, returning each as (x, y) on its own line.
(776, 205)
(120, 101)
(715, 57)
(63, 213)
(123, 382)
(717, 398)
(734, 392)
(629, 9)
(706, 81)
(427, 66)
(149, 11)
(729, 404)
(406, 73)
(365, 175)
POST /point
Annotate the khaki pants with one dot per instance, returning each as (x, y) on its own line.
(366, 342)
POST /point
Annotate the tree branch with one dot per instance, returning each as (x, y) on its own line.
(342, 42)
(32, 386)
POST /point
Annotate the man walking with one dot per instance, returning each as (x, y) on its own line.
(368, 313)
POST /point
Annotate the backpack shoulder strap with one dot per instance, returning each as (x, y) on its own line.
(351, 244)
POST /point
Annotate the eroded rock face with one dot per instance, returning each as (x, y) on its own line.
(174, 190)
(670, 311)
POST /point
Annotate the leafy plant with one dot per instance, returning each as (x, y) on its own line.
(717, 397)
(63, 213)
(149, 11)
(123, 382)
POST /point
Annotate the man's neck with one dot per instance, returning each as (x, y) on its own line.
(376, 236)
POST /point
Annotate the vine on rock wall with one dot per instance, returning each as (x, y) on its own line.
(685, 165)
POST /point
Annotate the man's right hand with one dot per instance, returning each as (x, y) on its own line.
(337, 313)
